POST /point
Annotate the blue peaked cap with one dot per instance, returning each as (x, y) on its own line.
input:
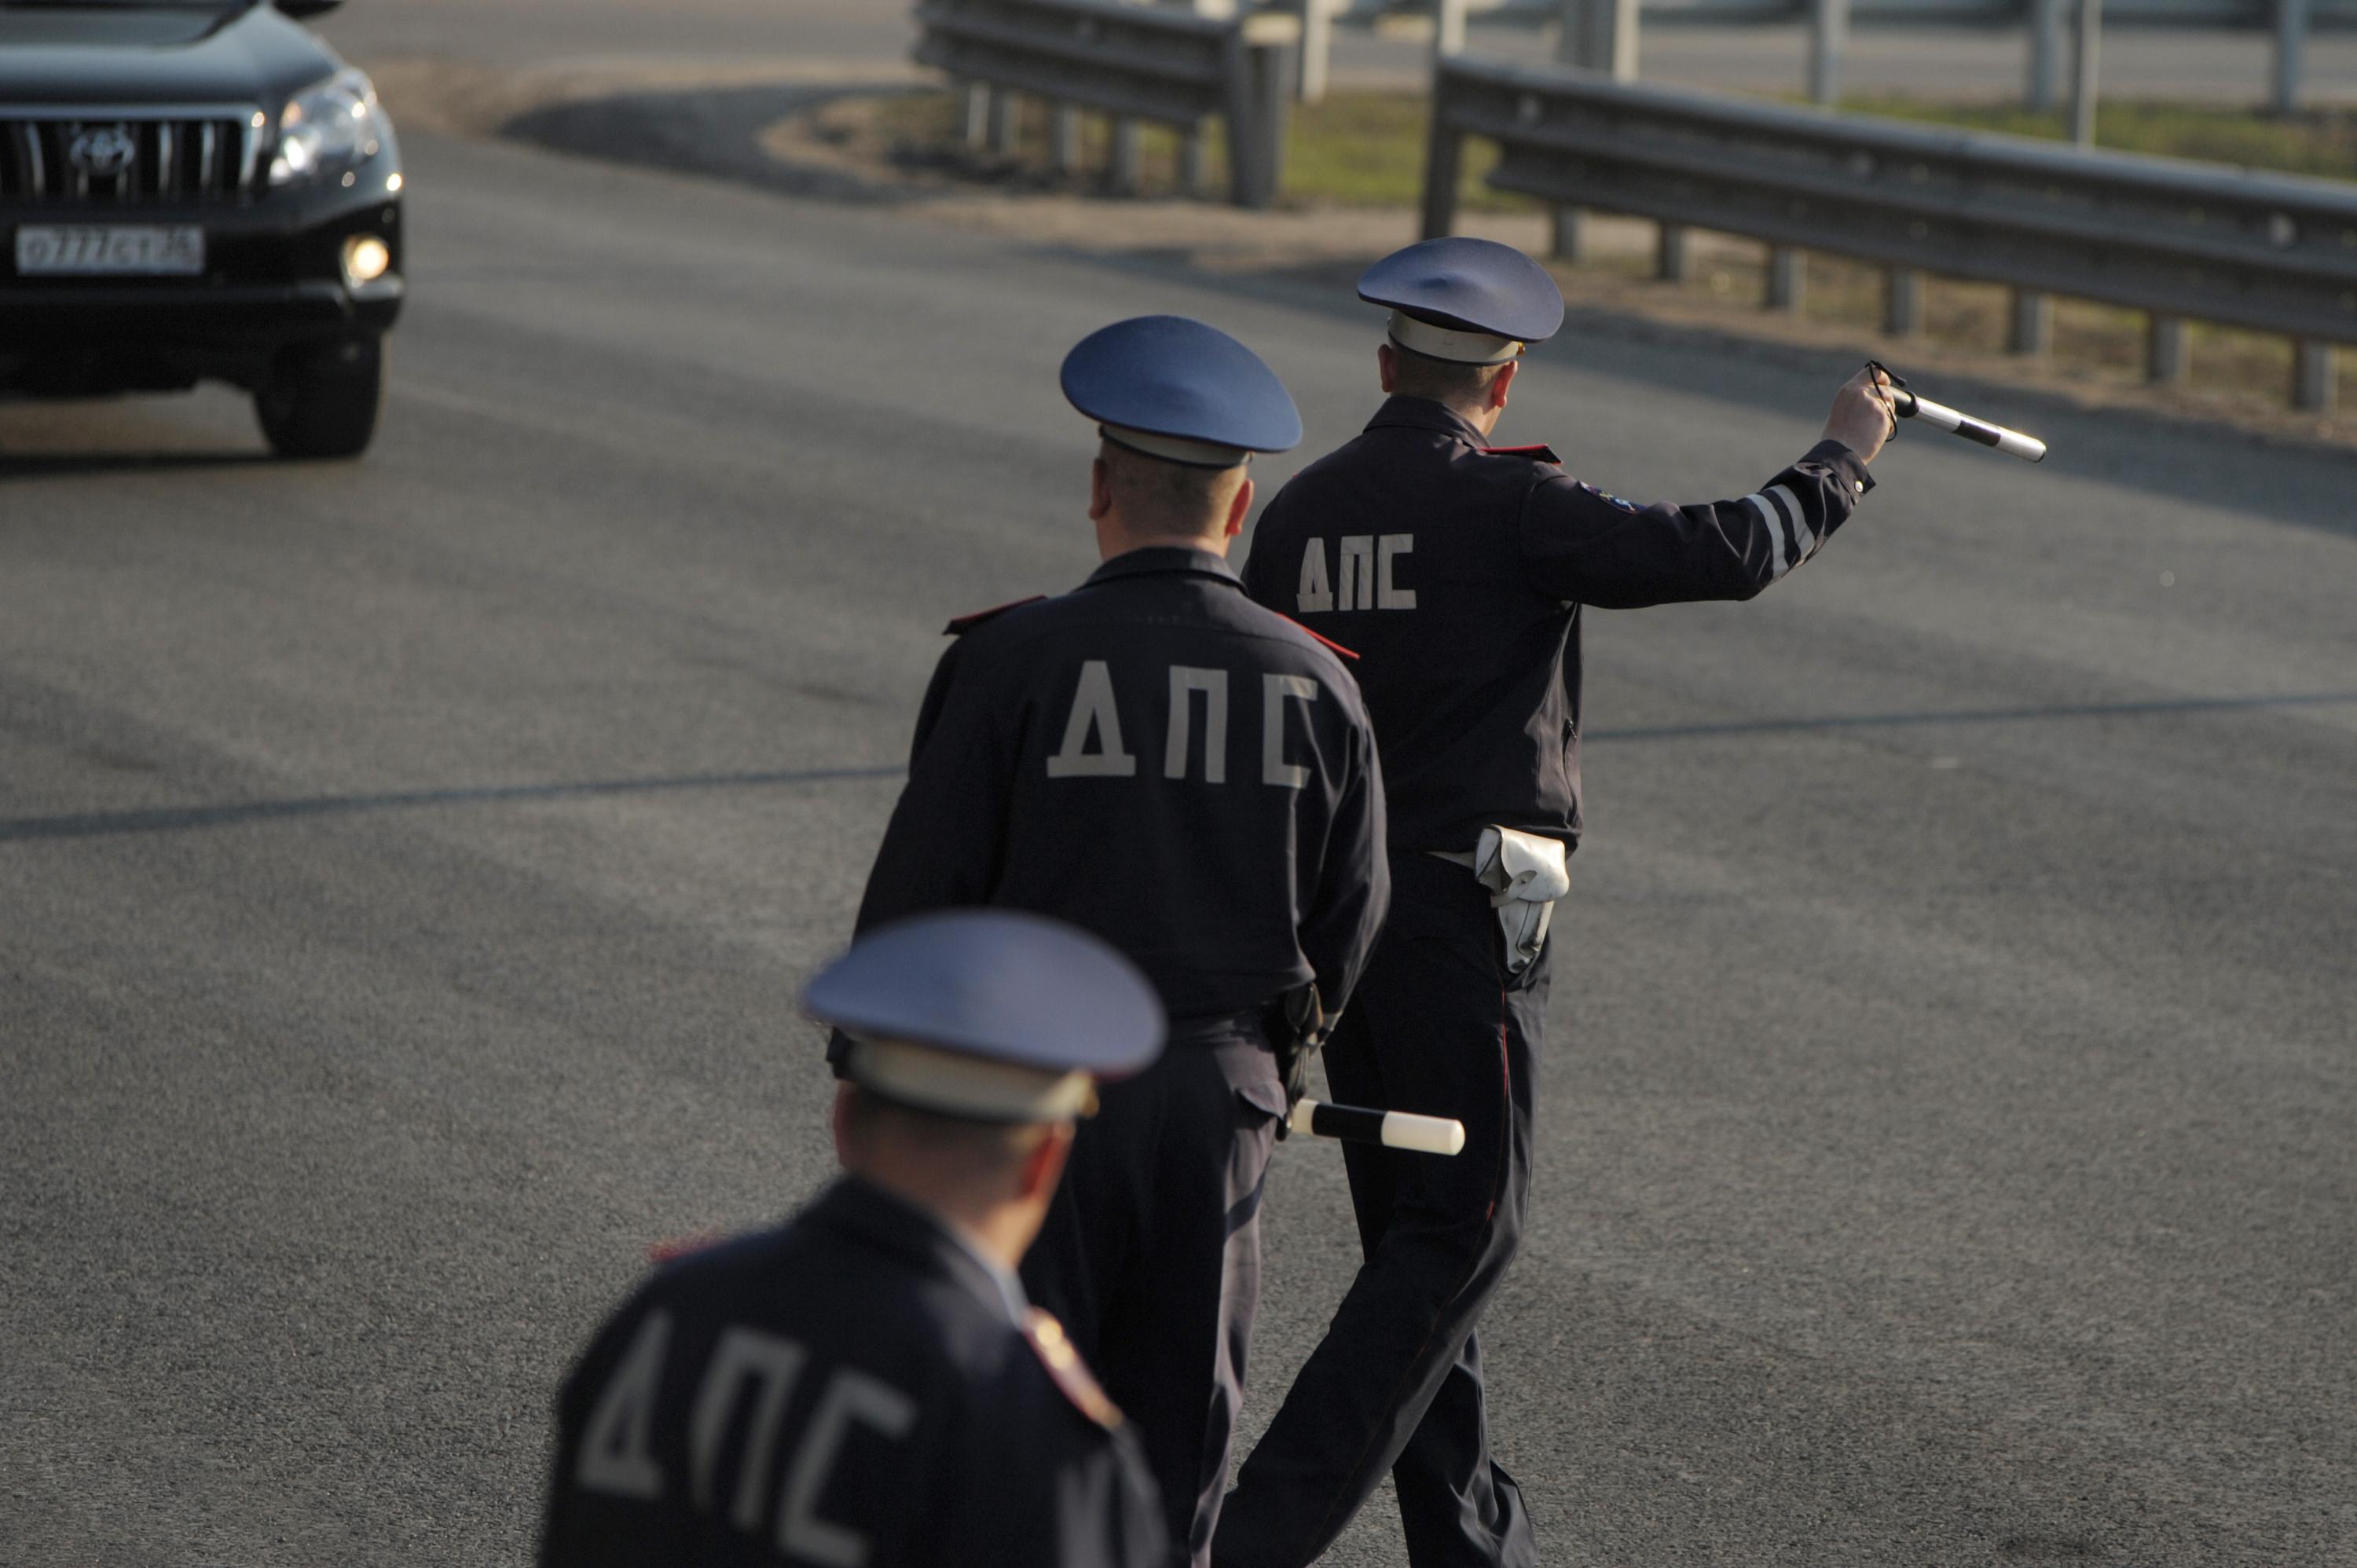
(1171, 377)
(1012, 988)
(1468, 285)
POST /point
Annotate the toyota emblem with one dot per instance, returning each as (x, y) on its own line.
(102, 152)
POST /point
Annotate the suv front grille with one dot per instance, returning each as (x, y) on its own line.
(77, 157)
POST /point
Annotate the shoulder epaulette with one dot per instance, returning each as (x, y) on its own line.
(1068, 1372)
(1539, 452)
(961, 624)
(678, 1247)
(1321, 636)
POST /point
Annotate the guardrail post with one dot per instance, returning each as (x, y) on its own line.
(2085, 56)
(1064, 140)
(1444, 166)
(2291, 38)
(1121, 159)
(1902, 301)
(973, 109)
(2314, 376)
(1449, 28)
(1194, 162)
(1563, 233)
(1828, 37)
(1600, 35)
(1571, 48)
(2165, 359)
(2033, 323)
(1257, 102)
(1317, 50)
(1788, 276)
(1670, 257)
(1005, 109)
(1273, 81)
(2045, 53)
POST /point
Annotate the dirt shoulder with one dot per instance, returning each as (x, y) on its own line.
(810, 128)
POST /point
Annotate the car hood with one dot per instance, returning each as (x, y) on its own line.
(103, 56)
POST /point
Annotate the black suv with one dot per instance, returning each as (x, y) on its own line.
(193, 191)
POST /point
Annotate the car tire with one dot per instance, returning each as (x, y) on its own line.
(322, 402)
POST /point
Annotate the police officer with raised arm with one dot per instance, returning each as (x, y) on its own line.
(867, 1383)
(1159, 759)
(1458, 572)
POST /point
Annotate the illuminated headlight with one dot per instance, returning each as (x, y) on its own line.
(327, 128)
(366, 259)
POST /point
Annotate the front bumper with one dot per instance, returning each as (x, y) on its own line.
(274, 281)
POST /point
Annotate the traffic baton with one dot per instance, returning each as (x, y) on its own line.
(1905, 405)
(1393, 1129)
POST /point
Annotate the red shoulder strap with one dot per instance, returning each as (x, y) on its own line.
(1049, 1342)
(1327, 640)
(677, 1246)
(963, 624)
(1539, 452)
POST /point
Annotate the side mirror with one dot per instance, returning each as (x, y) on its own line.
(307, 7)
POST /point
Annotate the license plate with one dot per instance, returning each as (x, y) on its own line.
(110, 250)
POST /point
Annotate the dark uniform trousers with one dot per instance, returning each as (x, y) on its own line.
(1437, 1025)
(1151, 1252)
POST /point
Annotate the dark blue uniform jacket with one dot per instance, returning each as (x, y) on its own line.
(1457, 572)
(1159, 759)
(852, 1387)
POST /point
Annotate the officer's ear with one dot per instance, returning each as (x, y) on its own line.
(841, 1120)
(1240, 508)
(1504, 379)
(1044, 1166)
(1100, 491)
(1387, 367)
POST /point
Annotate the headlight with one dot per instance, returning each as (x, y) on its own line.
(366, 259)
(327, 128)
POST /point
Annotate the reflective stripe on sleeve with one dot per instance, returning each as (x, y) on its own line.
(1804, 543)
(1778, 561)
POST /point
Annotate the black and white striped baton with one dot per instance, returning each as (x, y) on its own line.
(1391, 1129)
(1905, 405)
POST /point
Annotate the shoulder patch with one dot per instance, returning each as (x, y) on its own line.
(1329, 641)
(1606, 496)
(1538, 452)
(1070, 1373)
(961, 624)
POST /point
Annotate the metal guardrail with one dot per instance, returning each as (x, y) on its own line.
(2181, 240)
(2248, 15)
(2044, 22)
(1132, 62)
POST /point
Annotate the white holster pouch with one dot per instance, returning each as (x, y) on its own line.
(1525, 874)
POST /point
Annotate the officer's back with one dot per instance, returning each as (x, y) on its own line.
(836, 1391)
(1410, 544)
(866, 1385)
(1172, 745)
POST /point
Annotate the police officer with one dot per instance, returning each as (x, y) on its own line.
(866, 1385)
(1458, 571)
(1159, 759)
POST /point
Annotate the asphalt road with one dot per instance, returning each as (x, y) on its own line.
(407, 871)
